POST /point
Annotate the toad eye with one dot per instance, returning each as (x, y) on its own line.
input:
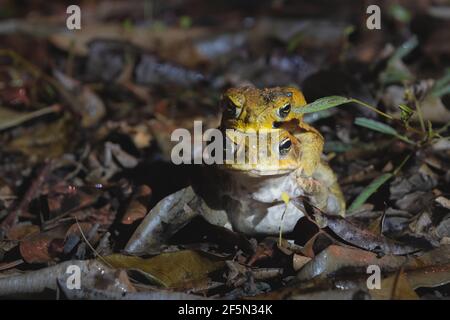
(284, 146)
(230, 109)
(284, 110)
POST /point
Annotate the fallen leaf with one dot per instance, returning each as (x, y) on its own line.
(138, 207)
(89, 105)
(396, 287)
(21, 231)
(336, 259)
(299, 261)
(351, 233)
(169, 269)
(44, 140)
(443, 201)
(163, 221)
(41, 248)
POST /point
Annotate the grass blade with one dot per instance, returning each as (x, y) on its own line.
(442, 86)
(368, 191)
(376, 126)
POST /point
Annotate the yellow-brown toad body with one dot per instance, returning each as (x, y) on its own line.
(251, 192)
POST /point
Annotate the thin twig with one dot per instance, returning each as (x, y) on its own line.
(90, 246)
(12, 217)
(9, 265)
(372, 108)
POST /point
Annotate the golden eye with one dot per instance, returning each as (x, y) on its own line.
(284, 110)
(230, 109)
(284, 146)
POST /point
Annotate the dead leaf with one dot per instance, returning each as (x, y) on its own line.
(174, 44)
(442, 230)
(44, 140)
(123, 158)
(299, 261)
(337, 259)
(89, 105)
(138, 207)
(74, 229)
(429, 277)
(396, 287)
(264, 250)
(443, 201)
(361, 238)
(169, 269)
(41, 248)
(163, 221)
(21, 231)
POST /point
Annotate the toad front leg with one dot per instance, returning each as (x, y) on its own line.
(323, 190)
(311, 142)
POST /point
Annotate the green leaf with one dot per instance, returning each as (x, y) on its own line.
(376, 126)
(400, 13)
(368, 191)
(127, 25)
(185, 22)
(442, 86)
(336, 146)
(322, 104)
(405, 112)
(404, 49)
(441, 91)
(395, 70)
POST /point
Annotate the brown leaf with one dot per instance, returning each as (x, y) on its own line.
(337, 258)
(89, 105)
(264, 250)
(163, 221)
(21, 231)
(74, 229)
(138, 206)
(169, 269)
(443, 201)
(299, 261)
(361, 238)
(41, 248)
(63, 198)
(396, 287)
(44, 140)
(429, 277)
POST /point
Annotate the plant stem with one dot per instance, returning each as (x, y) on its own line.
(372, 108)
(442, 129)
(397, 170)
(405, 139)
(420, 115)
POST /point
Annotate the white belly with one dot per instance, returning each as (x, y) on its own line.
(268, 220)
(256, 206)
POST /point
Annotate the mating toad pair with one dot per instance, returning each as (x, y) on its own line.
(252, 192)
